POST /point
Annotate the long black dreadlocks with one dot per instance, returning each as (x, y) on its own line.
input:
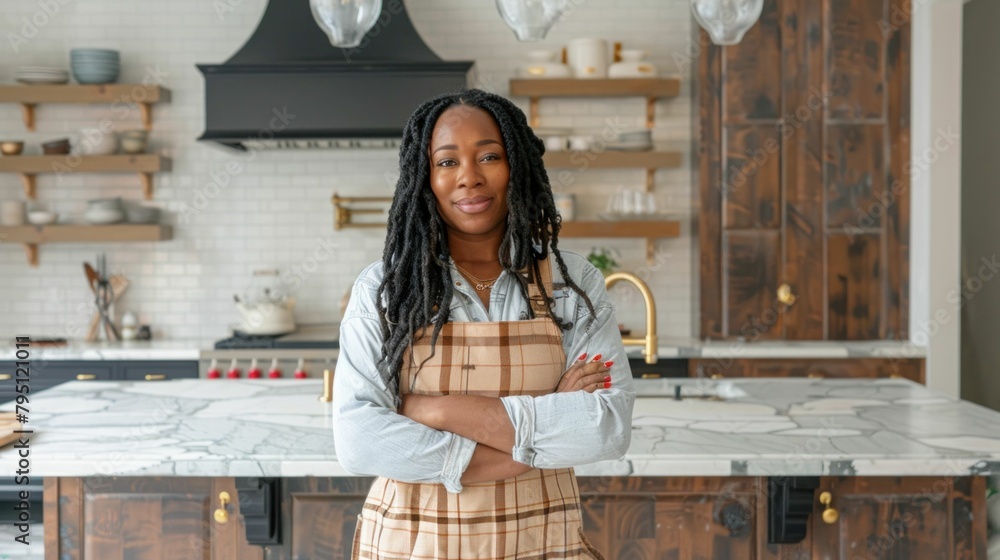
(416, 288)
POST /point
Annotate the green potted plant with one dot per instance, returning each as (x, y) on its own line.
(602, 260)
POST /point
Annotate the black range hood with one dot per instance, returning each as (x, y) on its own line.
(288, 87)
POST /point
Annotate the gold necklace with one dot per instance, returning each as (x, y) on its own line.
(478, 284)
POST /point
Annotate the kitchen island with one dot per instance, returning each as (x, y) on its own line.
(734, 469)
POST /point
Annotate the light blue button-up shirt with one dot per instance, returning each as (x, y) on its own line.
(551, 431)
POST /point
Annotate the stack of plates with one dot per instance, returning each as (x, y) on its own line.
(41, 75)
(94, 66)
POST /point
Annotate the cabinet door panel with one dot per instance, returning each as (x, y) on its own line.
(652, 518)
(752, 264)
(756, 71)
(802, 166)
(321, 515)
(857, 53)
(752, 197)
(855, 284)
(155, 518)
(901, 517)
(127, 521)
(856, 171)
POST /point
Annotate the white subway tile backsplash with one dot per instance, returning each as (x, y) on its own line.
(273, 209)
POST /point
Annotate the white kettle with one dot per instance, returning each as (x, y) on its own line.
(267, 317)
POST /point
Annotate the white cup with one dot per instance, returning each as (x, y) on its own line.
(555, 143)
(579, 143)
(12, 213)
(588, 58)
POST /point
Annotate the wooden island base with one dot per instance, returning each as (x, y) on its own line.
(631, 518)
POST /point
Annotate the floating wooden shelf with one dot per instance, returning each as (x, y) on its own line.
(650, 88)
(640, 228)
(32, 236)
(28, 96)
(29, 166)
(611, 158)
(608, 87)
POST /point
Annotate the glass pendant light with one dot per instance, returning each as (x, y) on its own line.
(726, 21)
(531, 19)
(345, 22)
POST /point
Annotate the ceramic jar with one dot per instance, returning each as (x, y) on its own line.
(588, 58)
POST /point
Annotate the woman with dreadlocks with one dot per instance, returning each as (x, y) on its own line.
(478, 363)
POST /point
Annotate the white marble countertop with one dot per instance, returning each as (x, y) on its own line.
(279, 428)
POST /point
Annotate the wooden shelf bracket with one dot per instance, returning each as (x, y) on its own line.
(31, 250)
(146, 110)
(29, 181)
(28, 113)
(147, 185)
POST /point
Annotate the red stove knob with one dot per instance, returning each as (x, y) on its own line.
(234, 372)
(254, 372)
(275, 372)
(300, 374)
(214, 373)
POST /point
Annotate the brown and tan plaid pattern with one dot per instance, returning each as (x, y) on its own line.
(533, 516)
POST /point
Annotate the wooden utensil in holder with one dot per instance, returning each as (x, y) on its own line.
(117, 284)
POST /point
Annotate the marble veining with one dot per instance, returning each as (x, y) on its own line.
(246, 427)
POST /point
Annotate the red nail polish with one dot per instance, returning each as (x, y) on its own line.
(608, 363)
(597, 358)
(607, 379)
(607, 384)
(582, 357)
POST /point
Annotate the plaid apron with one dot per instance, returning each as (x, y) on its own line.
(533, 516)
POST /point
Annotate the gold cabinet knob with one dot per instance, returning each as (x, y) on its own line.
(5, 376)
(85, 377)
(895, 376)
(815, 375)
(717, 376)
(785, 294)
(830, 514)
(221, 514)
(155, 376)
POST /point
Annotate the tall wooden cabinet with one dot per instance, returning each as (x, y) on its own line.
(803, 151)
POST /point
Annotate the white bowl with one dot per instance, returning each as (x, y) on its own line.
(541, 56)
(133, 144)
(42, 217)
(103, 216)
(632, 55)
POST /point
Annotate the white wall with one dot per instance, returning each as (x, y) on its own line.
(936, 182)
(276, 211)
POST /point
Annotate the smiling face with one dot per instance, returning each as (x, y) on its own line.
(469, 173)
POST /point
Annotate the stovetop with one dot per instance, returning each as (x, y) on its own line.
(324, 336)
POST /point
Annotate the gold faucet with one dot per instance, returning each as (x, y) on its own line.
(649, 342)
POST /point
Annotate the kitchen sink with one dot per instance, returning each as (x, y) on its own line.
(689, 389)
